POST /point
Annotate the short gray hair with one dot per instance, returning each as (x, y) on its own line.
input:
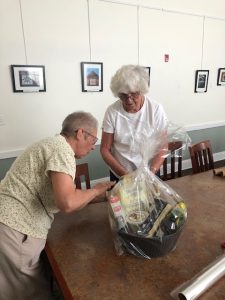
(129, 79)
(76, 120)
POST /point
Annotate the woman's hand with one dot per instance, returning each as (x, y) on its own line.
(102, 187)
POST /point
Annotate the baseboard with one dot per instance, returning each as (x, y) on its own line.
(202, 126)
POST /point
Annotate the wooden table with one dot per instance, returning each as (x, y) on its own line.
(81, 250)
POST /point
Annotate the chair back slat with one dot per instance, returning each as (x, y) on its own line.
(201, 156)
(174, 160)
(82, 171)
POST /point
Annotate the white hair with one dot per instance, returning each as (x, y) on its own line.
(129, 79)
(76, 120)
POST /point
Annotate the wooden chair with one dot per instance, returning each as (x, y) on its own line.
(201, 156)
(82, 171)
(175, 161)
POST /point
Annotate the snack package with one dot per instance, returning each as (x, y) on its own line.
(146, 215)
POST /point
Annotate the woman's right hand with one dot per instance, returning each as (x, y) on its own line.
(102, 187)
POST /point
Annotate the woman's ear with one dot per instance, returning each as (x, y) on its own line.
(79, 133)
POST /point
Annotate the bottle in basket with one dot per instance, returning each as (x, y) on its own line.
(118, 212)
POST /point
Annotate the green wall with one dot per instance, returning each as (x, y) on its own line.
(98, 168)
(5, 165)
(216, 136)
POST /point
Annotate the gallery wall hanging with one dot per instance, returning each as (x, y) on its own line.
(28, 78)
(91, 72)
(201, 76)
(92, 76)
(201, 81)
(221, 76)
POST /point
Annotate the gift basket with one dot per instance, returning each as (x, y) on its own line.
(146, 215)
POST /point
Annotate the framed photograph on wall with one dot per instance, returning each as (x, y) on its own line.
(221, 76)
(148, 70)
(28, 78)
(92, 76)
(201, 81)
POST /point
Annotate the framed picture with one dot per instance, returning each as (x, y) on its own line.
(221, 76)
(92, 76)
(201, 81)
(28, 78)
(148, 70)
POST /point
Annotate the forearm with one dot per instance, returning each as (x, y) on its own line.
(113, 163)
(157, 161)
(76, 200)
(68, 198)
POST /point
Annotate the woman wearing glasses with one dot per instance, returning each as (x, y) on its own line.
(127, 120)
(39, 184)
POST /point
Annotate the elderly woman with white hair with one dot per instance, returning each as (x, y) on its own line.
(130, 117)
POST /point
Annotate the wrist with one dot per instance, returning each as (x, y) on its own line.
(94, 192)
(153, 170)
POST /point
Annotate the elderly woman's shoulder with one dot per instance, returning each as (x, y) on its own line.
(152, 101)
(115, 105)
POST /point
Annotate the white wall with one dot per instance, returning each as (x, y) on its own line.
(55, 33)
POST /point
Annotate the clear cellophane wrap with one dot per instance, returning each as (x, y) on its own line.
(146, 215)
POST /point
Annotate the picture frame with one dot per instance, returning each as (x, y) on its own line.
(28, 78)
(148, 70)
(221, 76)
(92, 76)
(201, 81)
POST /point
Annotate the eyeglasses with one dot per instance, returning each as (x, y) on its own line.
(124, 96)
(95, 139)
